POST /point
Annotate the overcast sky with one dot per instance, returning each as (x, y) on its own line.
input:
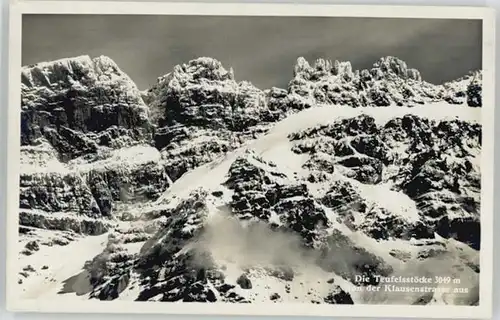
(262, 50)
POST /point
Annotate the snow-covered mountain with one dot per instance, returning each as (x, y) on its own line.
(388, 82)
(207, 189)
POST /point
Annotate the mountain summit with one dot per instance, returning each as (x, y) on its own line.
(84, 102)
(388, 82)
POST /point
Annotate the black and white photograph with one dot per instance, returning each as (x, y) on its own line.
(253, 161)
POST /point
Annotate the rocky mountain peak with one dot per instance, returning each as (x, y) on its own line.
(322, 68)
(343, 68)
(301, 66)
(208, 68)
(383, 68)
(66, 73)
(202, 80)
(195, 71)
(201, 112)
(80, 105)
(389, 82)
(390, 65)
(322, 64)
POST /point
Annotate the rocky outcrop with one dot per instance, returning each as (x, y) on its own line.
(83, 124)
(474, 91)
(202, 93)
(466, 90)
(202, 113)
(388, 82)
(63, 222)
(54, 192)
(338, 296)
(431, 162)
(264, 193)
(79, 104)
(165, 270)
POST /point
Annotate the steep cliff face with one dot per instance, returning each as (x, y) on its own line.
(434, 163)
(85, 132)
(81, 104)
(211, 189)
(201, 113)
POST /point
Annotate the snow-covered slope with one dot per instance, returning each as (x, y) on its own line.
(208, 189)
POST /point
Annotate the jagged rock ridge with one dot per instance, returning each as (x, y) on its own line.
(388, 82)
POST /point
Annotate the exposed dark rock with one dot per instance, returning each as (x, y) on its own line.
(401, 255)
(54, 192)
(338, 296)
(112, 289)
(424, 299)
(364, 169)
(466, 230)
(32, 245)
(87, 226)
(303, 216)
(244, 282)
(274, 296)
(474, 91)
(284, 273)
(29, 268)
